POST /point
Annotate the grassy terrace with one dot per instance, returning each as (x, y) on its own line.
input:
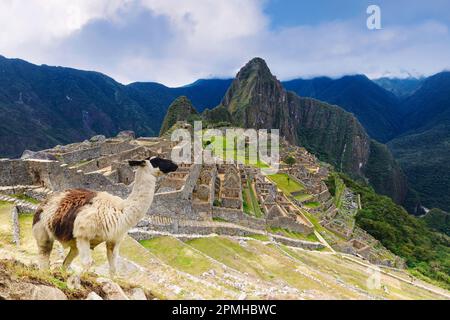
(251, 204)
(219, 147)
(289, 186)
(294, 235)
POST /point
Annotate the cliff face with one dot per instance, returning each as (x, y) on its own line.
(256, 99)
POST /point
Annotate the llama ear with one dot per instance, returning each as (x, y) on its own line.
(135, 163)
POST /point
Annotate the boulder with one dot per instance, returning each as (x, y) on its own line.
(93, 296)
(112, 290)
(137, 294)
(42, 292)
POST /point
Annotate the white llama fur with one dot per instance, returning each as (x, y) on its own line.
(106, 218)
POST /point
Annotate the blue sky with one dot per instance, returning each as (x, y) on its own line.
(176, 42)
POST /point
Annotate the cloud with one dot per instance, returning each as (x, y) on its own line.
(176, 42)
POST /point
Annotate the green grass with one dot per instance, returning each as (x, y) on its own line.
(251, 204)
(312, 204)
(26, 198)
(220, 149)
(285, 183)
(219, 220)
(294, 235)
(260, 237)
(303, 197)
(178, 255)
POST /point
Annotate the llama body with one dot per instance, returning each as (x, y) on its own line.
(82, 219)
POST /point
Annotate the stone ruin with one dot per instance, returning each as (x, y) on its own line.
(196, 199)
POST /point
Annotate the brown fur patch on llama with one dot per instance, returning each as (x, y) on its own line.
(63, 219)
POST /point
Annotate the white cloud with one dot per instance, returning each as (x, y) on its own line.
(176, 42)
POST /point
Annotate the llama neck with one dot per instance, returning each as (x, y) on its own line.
(140, 198)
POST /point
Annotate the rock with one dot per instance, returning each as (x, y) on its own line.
(41, 292)
(38, 155)
(74, 282)
(112, 290)
(98, 138)
(93, 296)
(126, 135)
(137, 294)
(242, 296)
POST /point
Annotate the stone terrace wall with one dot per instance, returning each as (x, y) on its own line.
(290, 224)
(107, 148)
(238, 217)
(14, 172)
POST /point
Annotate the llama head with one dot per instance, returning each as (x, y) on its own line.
(156, 165)
(164, 165)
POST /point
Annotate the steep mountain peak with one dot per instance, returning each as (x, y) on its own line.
(255, 67)
(254, 89)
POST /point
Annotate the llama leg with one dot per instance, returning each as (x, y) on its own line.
(70, 256)
(112, 251)
(45, 249)
(84, 248)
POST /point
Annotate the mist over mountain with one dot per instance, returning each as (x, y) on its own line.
(402, 88)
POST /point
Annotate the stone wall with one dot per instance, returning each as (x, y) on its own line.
(238, 217)
(289, 224)
(14, 172)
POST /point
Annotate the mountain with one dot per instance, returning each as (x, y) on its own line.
(256, 99)
(423, 148)
(438, 220)
(180, 110)
(374, 107)
(204, 93)
(402, 88)
(42, 106)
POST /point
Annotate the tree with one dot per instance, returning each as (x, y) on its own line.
(290, 161)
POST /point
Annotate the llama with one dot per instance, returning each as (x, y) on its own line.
(82, 219)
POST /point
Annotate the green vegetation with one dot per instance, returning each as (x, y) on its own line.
(290, 161)
(438, 220)
(425, 251)
(312, 204)
(180, 110)
(250, 202)
(294, 235)
(221, 147)
(302, 197)
(286, 183)
(336, 188)
(259, 237)
(26, 198)
(177, 254)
